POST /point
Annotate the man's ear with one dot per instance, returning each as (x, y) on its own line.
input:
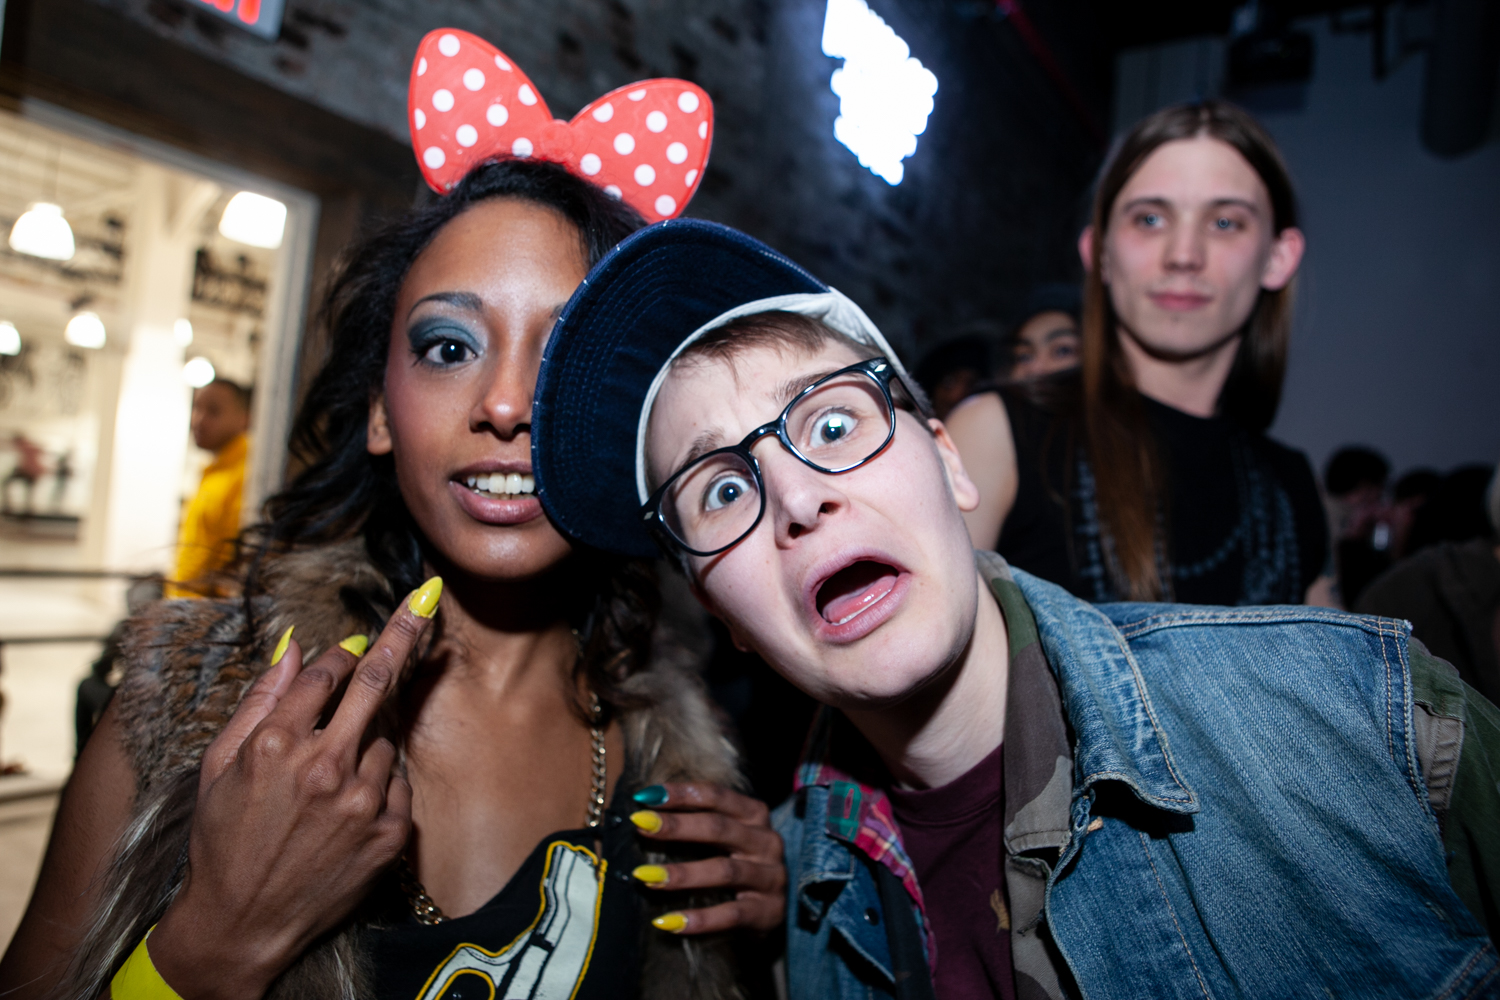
(1285, 258)
(963, 488)
(1089, 258)
(1086, 248)
(378, 428)
(708, 605)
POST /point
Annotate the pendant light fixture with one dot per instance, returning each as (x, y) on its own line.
(10, 339)
(85, 329)
(42, 231)
(254, 219)
(198, 372)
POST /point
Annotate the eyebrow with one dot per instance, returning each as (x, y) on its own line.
(792, 387)
(704, 443)
(467, 301)
(713, 438)
(1157, 200)
(1062, 331)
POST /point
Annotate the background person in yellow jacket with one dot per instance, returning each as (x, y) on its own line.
(205, 543)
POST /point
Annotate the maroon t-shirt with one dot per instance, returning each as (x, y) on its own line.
(952, 835)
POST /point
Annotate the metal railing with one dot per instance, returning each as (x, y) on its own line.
(26, 573)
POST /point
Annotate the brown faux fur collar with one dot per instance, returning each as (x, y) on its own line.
(186, 669)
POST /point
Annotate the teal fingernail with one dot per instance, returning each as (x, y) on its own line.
(654, 795)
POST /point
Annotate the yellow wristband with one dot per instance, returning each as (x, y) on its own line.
(138, 978)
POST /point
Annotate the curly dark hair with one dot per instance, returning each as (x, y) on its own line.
(344, 492)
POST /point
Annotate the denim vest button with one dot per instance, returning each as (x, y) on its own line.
(872, 917)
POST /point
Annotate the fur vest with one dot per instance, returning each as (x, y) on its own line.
(187, 666)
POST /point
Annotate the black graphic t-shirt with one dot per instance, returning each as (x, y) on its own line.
(568, 926)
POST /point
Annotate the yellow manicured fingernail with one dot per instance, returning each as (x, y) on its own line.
(650, 874)
(286, 640)
(424, 602)
(356, 644)
(672, 922)
(646, 820)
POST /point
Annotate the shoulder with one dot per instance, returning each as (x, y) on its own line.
(982, 414)
(1414, 578)
(1249, 624)
(1291, 465)
(1312, 657)
(187, 663)
(183, 669)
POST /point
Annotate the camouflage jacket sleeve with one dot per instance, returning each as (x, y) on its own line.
(1461, 764)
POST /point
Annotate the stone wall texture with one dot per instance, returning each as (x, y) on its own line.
(991, 201)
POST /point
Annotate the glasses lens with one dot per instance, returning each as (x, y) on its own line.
(712, 503)
(841, 423)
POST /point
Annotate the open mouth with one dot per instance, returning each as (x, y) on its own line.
(851, 591)
(502, 486)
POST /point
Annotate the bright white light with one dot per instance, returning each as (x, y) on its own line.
(43, 232)
(254, 219)
(885, 95)
(85, 329)
(182, 332)
(10, 338)
(198, 372)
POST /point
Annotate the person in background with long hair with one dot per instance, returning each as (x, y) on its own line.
(1148, 475)
(495, 795)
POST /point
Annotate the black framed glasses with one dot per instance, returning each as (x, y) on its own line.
(835, 425)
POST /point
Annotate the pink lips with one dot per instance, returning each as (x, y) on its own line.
(490, 510)
(1179, 301)
(852, 597)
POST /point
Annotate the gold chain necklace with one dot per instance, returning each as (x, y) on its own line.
(428, 912)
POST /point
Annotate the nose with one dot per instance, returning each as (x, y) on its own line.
(800, 499)
(503, 407)
(1185, 249)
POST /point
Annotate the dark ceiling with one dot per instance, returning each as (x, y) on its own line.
(1127, 25)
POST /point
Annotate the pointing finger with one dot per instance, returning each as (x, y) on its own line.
(380, 669)
(260, 702)
(306, 699)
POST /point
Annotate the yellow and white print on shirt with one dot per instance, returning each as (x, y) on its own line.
(547, 961)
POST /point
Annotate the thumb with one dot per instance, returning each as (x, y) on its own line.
(253, 709)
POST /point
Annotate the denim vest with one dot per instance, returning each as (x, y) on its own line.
(1248, 818)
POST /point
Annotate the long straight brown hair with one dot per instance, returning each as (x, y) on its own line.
(1129, 489)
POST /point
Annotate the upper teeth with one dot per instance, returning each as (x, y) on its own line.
(501, 482)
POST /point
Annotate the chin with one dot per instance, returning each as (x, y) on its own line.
(511, 554)
(1174, 336)
(886, 669)
(856, 689)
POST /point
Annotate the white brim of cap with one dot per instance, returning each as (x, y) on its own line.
(832, 308)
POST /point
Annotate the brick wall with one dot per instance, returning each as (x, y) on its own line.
(990, 201)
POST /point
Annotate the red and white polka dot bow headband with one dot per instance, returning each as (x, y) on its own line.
(646, 143)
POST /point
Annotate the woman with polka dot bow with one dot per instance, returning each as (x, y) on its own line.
(503, 792)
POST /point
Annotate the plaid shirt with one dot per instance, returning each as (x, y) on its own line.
(859, 813)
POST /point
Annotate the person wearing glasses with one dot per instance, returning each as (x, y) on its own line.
(1009, 792)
